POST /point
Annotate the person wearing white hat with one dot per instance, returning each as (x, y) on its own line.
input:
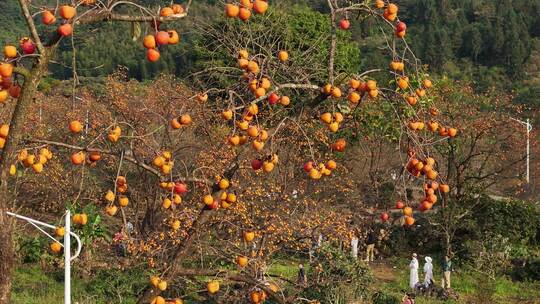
(413, 266)
(428, 271)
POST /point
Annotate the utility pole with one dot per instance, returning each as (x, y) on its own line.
(528, 126)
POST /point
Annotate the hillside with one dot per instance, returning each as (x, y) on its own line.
(482, 41)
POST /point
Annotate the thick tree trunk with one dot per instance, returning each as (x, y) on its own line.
(6, 258)
(6, 160)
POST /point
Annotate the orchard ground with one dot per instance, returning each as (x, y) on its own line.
(32, 284)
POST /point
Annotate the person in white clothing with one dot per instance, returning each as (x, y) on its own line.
(413, 266)
(428, 271)
(354, 247)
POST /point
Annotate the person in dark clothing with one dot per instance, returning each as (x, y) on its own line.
(302, 278)
(118, 242)
(370, 242)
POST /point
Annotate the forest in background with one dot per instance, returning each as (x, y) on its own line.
(493, 44)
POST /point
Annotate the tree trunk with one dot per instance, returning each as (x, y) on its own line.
(447, 243)
(6, 159)
(176, 259)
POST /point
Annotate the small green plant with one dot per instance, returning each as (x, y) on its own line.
(31, 248)
(94, 229)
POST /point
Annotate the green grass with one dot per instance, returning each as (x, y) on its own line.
(473, 287)
(286, 269)
(31, 285)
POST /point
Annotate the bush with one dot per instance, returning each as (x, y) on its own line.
(385, 298)
(420, 238)
(337, 278)
(489, 255)
(115, 284)
(528, 272)
(516, 220)
(31, 248)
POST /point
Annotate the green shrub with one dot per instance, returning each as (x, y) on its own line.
(30, 249)
(381, 297)
(118, 285)
(516, 220)
(529, 272)
(337, 278)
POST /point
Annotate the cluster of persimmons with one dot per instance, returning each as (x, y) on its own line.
(162, 38)
(243, 9)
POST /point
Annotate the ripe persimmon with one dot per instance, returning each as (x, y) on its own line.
(47, 17)
(260, 6)
(162, 38)
(283, 56)
(166, 12)
(67, 12)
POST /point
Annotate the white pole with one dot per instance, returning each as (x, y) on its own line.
(67, 247)
(529, 127)
(67, 259)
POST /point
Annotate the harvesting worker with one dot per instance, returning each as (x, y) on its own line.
(447, 270)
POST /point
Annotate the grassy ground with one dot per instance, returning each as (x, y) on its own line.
(33, 286)
(393, 277)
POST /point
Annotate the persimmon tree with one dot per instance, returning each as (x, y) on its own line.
(28, 65)
(243, 168)
(482, 160)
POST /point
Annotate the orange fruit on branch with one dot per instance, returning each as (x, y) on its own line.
(162, 285)
(4, 131)
(59, 231)
(285, 101)
(149, 41)
(232, 10)
(249, 236)
(174, 38)
(75, 126)
(212, 287)
(326, 118)
(166, 12)
(162, 38)
(409, 220)
(407, 211)
(175, 124)
(444, 188)
(65, 30)
(244, 14)
(78, 158)
(47, 17)
(242, 261)
(56, 247)
(158, 300)
(67, 12)
(283, 56)
(260, 6)
(185, 119)
(177, 8)
(10, 51)
(123, 201)
(152, 55)
(268, 166)
(111, 210)
(6, 70)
